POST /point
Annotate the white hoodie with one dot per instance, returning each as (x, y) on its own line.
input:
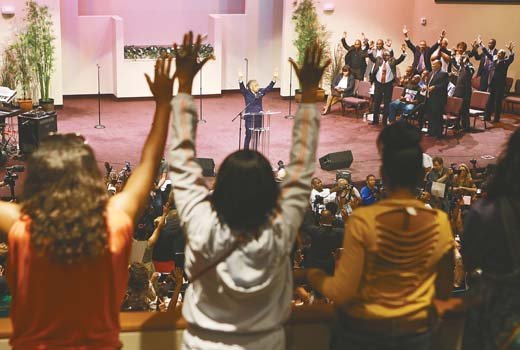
(244, 301)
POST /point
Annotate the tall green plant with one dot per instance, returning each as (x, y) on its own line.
(8, 71)
(39, 33)
(21, 50)
(308, 29)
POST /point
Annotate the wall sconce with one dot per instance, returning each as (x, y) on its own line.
(8, 11)
(328, 7)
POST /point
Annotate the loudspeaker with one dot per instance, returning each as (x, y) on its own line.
(207, 165)
(33, 128)
(336, 160)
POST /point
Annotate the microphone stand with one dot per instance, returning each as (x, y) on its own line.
(201, 119)
(290, 116)
(99, 125)
(247, 69)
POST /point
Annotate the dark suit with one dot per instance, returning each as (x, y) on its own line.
(254, 109)
(356, 59)
(436, 101)
(497, 86)
(485, 66)
(417, 57)
(463, 88)
(349, 91)
(324, 241)
(383, 92)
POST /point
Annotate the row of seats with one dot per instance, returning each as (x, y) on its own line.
(478, 102)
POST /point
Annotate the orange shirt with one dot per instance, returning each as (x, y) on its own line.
(73, 307)
(389, 263)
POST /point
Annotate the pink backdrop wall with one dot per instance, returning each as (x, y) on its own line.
(158, 21)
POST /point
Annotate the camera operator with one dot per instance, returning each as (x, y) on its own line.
(370, 193)
(347, 196)
(320, 196)
(463, 182)
(10, 178)
(281, 172)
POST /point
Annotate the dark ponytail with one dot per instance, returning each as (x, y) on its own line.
(402, 156)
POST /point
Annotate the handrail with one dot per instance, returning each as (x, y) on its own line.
(166, 321)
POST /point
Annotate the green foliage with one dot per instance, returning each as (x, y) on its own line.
(22, 63)
(40, 37)
(153, 52)
(308, 28)
(8, 73)
(336, 64)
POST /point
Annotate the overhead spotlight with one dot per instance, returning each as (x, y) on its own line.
(8, 10)
(328, 7)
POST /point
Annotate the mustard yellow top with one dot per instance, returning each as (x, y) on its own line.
(389, 263)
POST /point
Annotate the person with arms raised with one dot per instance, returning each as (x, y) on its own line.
(70, 242)
(239, 238)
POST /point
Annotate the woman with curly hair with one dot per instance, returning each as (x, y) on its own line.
(69, 244)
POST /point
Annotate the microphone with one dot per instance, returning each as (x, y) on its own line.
(245, 59)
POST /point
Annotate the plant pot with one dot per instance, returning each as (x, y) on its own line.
(320, 95)
(25, 105)
(47, 105)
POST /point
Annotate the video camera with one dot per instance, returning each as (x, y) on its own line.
(11, 175)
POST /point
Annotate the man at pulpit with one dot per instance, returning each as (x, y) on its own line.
(253, 95)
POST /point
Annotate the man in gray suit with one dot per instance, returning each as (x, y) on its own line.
(383, 76)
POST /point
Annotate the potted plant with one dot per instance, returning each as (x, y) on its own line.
(334, 69)
(8, 71)
(38, 27)
(308, 31)
(22, 68)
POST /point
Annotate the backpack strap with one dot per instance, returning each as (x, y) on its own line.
(238, 242)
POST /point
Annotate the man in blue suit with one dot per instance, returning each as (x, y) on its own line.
(253, 99)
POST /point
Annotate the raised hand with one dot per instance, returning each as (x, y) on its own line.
(240, 76)
(443, 34)
(405, 31)
(275, 75)
(510, 46)
(388, 42)
(187, 61)
(162, 85)
(178, 275)
(345, 35)
(311, 71)
(371, 44)
(479, 39)
(403, 48)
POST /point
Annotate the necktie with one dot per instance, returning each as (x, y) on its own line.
(420, 65)
(383, 75)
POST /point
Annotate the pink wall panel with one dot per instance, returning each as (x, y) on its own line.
(160, 21)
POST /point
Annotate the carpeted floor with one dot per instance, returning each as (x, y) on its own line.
(127, 123)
